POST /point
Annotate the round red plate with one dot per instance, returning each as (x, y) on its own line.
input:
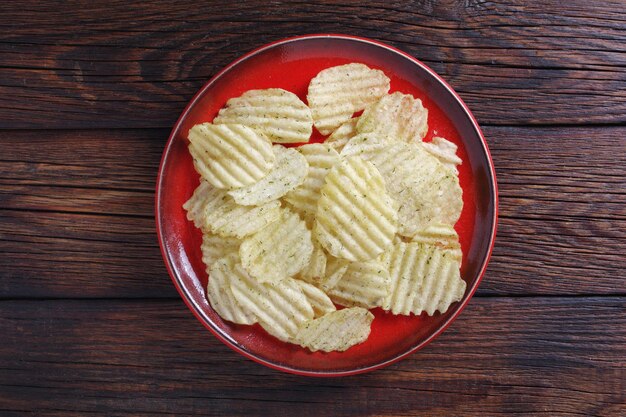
(290, 64)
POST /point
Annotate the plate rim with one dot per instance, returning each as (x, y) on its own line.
(195, 308)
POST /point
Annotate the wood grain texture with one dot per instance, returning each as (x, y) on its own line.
(130, 64)
(502, 357)
(562, 205)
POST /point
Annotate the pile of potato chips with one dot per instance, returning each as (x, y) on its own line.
(363, 220)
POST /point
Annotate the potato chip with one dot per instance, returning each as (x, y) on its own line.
(364, 284)
(423, 278)
(230, 155)
(321, 158)
(427, 192)
(196, 205)
(335, 270)
(319, 300)
(289, 171)
(337, 92)
(280, 307)
(315, 271)
(342, 134)
(279, 250)
(224, 217)
(395, 117)
(336, 331)
(215, 247)
(278, 113)
(445, 151)
(220, 295)
(441, 235)
(356, 218)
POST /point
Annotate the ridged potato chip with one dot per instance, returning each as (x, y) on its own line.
(224, 217)
(356, 218)
(441, 235)
(364, 284)
(278, 113)
(230, 155)
(423, 278)
(315, 271)
(220, 295)
(196, 205)
(321, 158)
(445, 151)
(395, 117)
(289, 171)
(426, 192)
(280, 307)
(337, 92)
(342, 134)
(336, 331)
(319, 300)
(215, 247)
(279, 250)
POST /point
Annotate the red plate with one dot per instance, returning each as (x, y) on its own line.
(290, 64)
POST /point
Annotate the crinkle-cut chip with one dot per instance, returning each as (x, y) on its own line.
(442, 235)
(215, 247)
(280, 307)
(356, 218)
(220, 295)
(423, 278)
(230, 155)
(342, 134)
(278, 113)
(426, 192)
(337, 92)
(336, 331)
(321, 158)
(315, 270)
(279, 250)
(319, 300)
(196, 205)
(289, 171)
(224, 217)
(364, 284)
(445, 151)
(335, 269)
(395, 117)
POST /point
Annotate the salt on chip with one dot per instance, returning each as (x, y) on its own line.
(196, 205)
(315, 270)
(336, 331)
(364, 284)
(321, 158)
(445, 151)
(319, 300)
(426, 191)
(223, 216)
(215, 247)
(356, 218)
(280, 307)
(220, 295)
(336, 93)
(230, 155)
(342, 134)
(395, 117)
(278, 113)
(289, 171)
(279, 250)
(423, 278)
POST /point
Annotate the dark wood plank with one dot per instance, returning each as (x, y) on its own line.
(121, 64)
(502, 357)
(564, 212)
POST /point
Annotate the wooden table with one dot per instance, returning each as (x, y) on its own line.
(90, 323)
